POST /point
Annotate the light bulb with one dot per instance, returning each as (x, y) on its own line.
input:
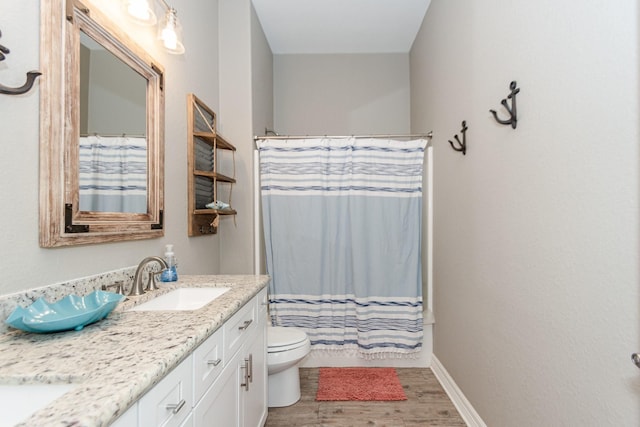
(171, 33)
(170, 38)
(140, 12)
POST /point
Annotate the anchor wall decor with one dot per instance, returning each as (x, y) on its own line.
(513, 112)
(461, 146)
(31, 77)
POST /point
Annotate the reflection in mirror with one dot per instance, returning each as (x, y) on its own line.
(102, 130)
(113, 145)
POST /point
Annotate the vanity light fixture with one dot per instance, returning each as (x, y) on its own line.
(169, 28)
(170, 32)
(140, 12)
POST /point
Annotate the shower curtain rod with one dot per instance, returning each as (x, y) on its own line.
(427, 135)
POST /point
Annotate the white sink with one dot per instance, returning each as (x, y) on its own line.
(18, 402)
(182, 299)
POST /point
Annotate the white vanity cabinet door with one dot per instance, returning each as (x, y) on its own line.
(253, 399)
(170, 401)
(208, 362)
(219, 406)
(188, 422)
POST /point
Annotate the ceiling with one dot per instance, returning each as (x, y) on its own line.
(340, 26)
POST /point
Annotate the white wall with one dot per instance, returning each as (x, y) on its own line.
(536, 229)
(25, 265)
(341, 94)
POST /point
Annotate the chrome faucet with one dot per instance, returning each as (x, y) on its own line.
(137, 288)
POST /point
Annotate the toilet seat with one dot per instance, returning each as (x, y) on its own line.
(280, 338)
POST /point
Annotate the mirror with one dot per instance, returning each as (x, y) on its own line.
(102, 139)
(113, 141)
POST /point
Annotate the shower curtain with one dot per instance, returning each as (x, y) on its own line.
(113, 174)
(342, 226)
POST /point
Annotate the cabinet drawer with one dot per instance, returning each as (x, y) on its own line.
(168, 403)
(208, 362)
(238, 327)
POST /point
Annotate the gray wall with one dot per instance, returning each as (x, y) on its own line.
(117, 96)
(25, 264)
(262, 87)
(536, 229)
(261, 78)
(246, 99)
(341, 94)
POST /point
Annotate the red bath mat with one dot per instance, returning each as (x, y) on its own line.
(359, 384)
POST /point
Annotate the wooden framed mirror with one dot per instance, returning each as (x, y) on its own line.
(101, 131)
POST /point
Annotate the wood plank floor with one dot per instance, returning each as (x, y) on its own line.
(427, 405)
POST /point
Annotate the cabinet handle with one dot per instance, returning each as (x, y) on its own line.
(175, 408)
(214, 362)
(245, 384)
(246, 324)
(251, 368)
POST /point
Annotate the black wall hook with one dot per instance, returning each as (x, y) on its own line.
(513, 112)
(26, 87)
(3, 50)
(462, 146)
(31, 77)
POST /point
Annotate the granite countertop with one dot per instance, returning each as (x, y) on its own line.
(115, 361)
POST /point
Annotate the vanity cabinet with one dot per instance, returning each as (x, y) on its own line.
(238, 398)
(223, 383)
(206, 147)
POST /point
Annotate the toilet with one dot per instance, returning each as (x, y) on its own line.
(285, 348)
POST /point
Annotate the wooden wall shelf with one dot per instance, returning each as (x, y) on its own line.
(215, 211)
(212, 138)
(205, 146)
(216, 175)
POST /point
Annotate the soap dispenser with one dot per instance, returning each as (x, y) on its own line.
(171, 273)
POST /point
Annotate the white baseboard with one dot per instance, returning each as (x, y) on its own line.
(422, 361)
(467, 412)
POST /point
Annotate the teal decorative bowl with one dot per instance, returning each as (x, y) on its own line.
(71, 312)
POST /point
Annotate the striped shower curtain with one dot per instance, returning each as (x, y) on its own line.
(342, 224)
(113, 174)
